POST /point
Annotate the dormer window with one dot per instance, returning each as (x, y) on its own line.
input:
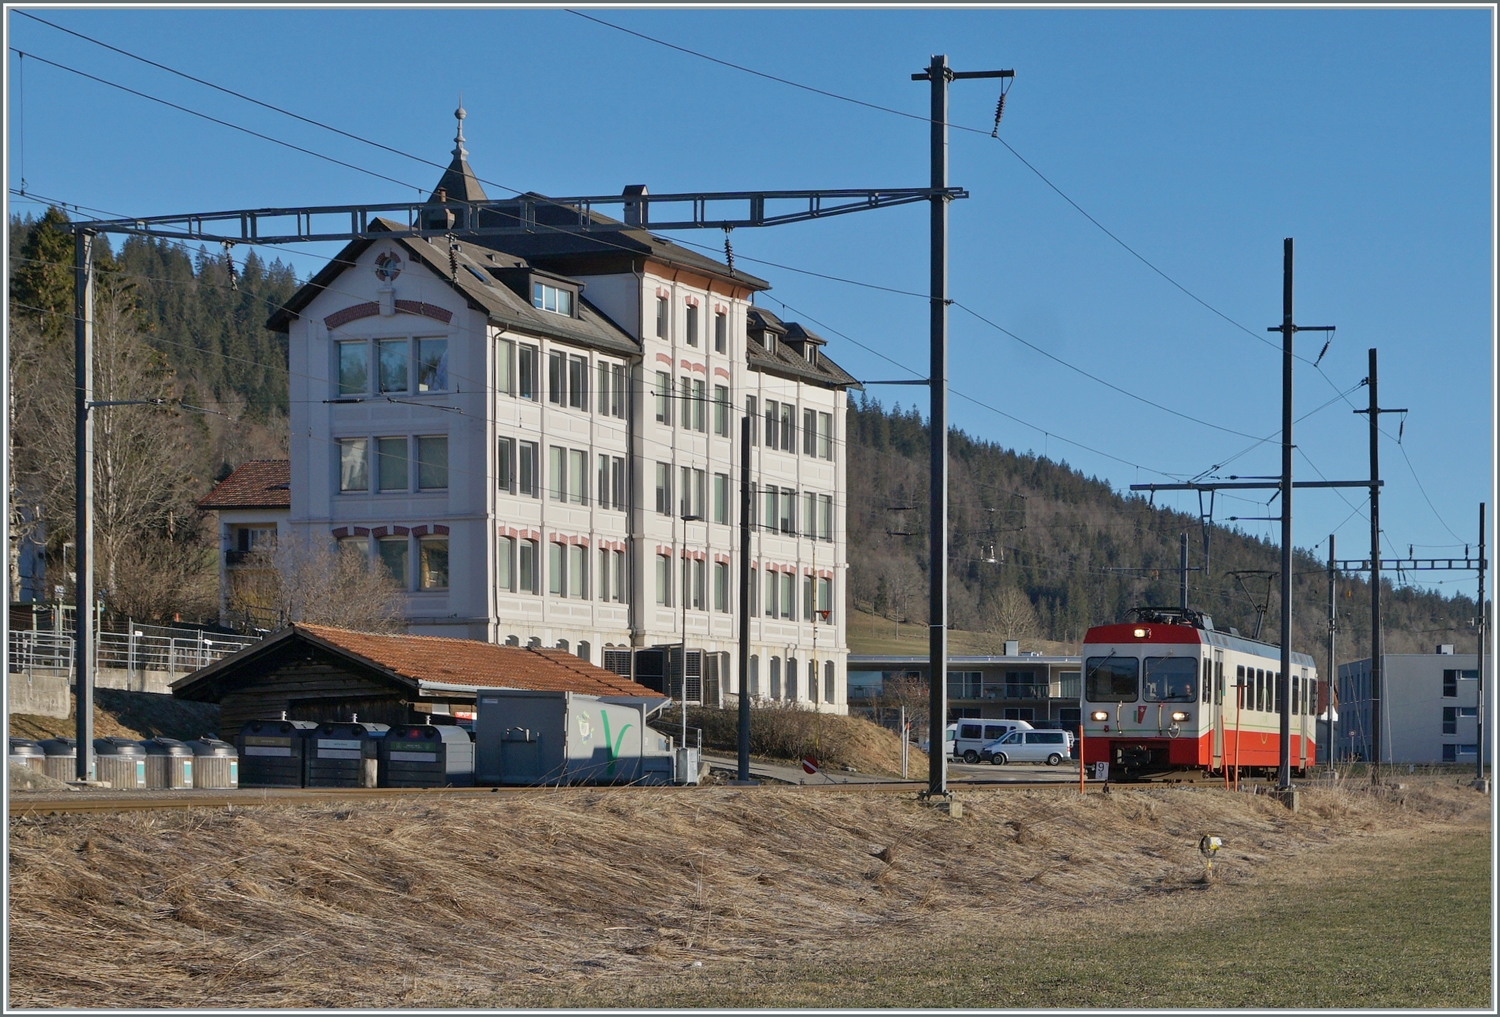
(811, 352)
(556, 299)
(768, 340)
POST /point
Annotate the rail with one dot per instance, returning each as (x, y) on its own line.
(143, 648)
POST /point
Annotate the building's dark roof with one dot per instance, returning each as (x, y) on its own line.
(787, 361)
(477, 281)
(257, 484)
(604, 251)
(458, 182)
(418, 662)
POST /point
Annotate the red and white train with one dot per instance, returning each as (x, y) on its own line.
(1168, 692)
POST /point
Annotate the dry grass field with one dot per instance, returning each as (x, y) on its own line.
(762, 897)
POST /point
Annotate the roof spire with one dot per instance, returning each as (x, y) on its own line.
(459, 152)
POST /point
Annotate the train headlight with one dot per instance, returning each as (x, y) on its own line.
(1141, 633)
(1179, 715)
(1098, 715)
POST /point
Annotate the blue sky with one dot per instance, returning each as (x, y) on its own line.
(1200, 138)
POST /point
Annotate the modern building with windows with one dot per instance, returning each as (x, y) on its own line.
(1043, 690)
(538, 435)
(1429, 711)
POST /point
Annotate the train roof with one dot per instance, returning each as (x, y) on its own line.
(1176, 634)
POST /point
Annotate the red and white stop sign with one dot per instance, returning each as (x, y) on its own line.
(809, 764)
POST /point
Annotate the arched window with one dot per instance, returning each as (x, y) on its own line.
(829, 688)
(562, 644)
(584, 650)
(512, 640)
(775, 677)
(754, 676)
(535, 642)
(812, 680)
(791, 679)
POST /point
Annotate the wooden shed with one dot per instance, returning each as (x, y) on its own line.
(312, 672)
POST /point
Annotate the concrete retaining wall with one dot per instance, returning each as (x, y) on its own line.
(41, 695)
(51, 695)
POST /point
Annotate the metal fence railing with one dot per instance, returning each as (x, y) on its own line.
(142, 648)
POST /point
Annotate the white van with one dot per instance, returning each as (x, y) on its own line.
(1050, 747)
(968, 738)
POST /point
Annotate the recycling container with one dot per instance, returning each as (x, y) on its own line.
(27, 753)
(215, 763)
(426, 755)
(62, 758)
(337, 753)
(272, 752)
(169, 763)
(120, 762)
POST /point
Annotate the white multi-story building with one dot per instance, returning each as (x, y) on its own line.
(1430, 708)
(539, 437)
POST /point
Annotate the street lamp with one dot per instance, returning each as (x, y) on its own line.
(682, 665)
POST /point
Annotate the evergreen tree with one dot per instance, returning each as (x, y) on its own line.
(42, 286)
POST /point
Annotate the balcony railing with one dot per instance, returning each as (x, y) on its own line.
(1064, 689)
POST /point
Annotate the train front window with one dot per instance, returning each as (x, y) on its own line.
(1112, 679)
(1171, 679)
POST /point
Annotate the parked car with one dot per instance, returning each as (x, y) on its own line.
(1050, 747)
(969, 737)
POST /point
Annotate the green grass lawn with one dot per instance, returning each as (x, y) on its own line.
(1388, 924)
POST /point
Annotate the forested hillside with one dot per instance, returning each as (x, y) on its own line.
(1035, 549)
(196, 386)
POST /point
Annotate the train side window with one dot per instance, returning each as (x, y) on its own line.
(1276, 693)
(1219, 681)
(1260, 690)
(1242, 702)
(1296, 695)
(1207, 677)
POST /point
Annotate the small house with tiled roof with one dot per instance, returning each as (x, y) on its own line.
(253, 508)
(313, 672)
(537, 435)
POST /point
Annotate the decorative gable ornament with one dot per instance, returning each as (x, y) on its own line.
(387, 266)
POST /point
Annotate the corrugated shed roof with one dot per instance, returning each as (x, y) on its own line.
(484, 665)
(259, 483)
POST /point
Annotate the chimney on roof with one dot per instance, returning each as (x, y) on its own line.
(636, 212)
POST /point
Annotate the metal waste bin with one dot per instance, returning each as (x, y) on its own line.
(426, 755)
(61, 758)
(120, 762)
(271, 752)
(169, 763)
(27, 753)
(338, 751)
(215, 763)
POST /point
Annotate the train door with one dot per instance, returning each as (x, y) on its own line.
(1301, 703)
(1216, 710)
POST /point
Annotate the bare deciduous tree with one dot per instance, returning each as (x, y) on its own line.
(148, 544)
(302, 580)
(1009, 615)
